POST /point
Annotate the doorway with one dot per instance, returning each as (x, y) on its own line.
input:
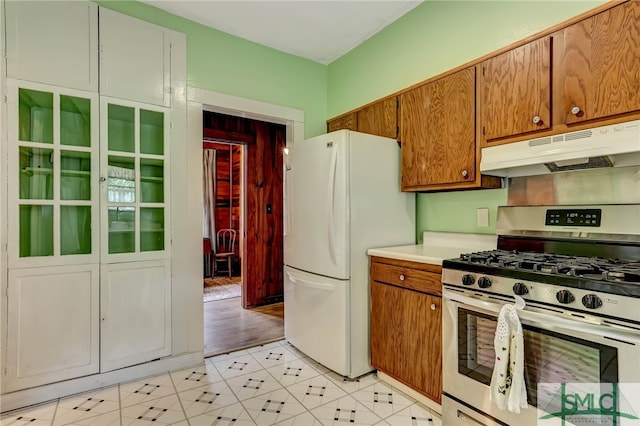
(244, 202)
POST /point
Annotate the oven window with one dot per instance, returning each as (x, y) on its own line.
(549, 357)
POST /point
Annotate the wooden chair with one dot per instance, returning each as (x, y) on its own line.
(225, 241)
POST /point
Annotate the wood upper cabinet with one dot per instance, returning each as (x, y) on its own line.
(406, 324)
(515, 91)
(348, 121)
(596, 65)
(379, 118)
(438, 134)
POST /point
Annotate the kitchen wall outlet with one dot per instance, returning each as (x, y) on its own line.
(483, 217)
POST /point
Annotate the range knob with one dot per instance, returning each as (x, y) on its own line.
(520, 289)
(591, 301)
(468, 279)
(484, 282)
(565, 296)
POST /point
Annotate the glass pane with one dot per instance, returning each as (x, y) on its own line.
(36, 173)
(122, 238)
(75, 230)
(35, 116)
(151, 180)
(75, 121)
(121, 128)
(151, 229)
(121, 180)
(75, 175)
(151, 132)
(36, 231)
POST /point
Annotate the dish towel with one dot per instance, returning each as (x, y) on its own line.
(508, 390)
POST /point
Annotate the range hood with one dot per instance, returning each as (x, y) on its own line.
(616, 145)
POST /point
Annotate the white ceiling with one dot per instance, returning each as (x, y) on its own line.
(320, 30)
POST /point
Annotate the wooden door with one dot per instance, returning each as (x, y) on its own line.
(262, 242)
(438, 132)
(406, 343)
(379, 118)
(596, 65)
(515, 91)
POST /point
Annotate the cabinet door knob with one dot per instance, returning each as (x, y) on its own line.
(103, 179)
(537, 119)
(575, 110)
(433, 306)
(465, 173)
(401, 277)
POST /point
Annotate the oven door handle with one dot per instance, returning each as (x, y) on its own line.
(549, 321)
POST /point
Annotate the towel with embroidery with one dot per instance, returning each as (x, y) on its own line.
(508, 390)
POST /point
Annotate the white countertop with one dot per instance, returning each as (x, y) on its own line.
(438, 246)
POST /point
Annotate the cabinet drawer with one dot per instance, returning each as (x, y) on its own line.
(427, 282)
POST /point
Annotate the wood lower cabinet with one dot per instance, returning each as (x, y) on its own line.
(406, 323)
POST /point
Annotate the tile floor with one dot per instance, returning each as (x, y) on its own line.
(273, 384)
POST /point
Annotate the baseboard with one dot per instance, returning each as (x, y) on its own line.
(26, 397)
(430, 404)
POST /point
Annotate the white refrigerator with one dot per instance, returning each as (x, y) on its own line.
(342, 197)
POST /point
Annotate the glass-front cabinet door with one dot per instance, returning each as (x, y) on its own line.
(53, 159)
(134, 176)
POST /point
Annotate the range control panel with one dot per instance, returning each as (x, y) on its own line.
(573, 217)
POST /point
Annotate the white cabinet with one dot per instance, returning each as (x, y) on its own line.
(53, 42)
(134, 59)
(53, 175)
(135, 301)
(53, 325)
(135, 181)
(87, 204)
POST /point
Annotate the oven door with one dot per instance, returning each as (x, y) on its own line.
(558, 349)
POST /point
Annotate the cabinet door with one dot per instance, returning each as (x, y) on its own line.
(596, 65)
(52, 325)
(53, 43)
(516, 91)
(406, 343)
(438, 132)
(135, 309)
(134, 59)
(349, 122)
(379, 118)
(134, 181)
(53, 175)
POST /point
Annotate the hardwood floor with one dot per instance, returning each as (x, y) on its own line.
(228, 327)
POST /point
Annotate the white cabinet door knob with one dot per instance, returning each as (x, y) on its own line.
(433, 306)
(401, 277)
(575, 110)
(536, 120)
(465, 173)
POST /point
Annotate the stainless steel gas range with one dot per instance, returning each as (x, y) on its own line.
(578, 270)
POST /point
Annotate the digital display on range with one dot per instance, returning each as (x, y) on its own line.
(573, 217)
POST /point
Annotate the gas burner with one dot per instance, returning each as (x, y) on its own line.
(592, 268)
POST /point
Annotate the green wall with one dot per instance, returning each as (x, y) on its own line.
(434, 37)
(224, 63)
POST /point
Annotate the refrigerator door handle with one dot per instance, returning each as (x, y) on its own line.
(330, 204)
(312, 284)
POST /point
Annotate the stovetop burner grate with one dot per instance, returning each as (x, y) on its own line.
(593, 268)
